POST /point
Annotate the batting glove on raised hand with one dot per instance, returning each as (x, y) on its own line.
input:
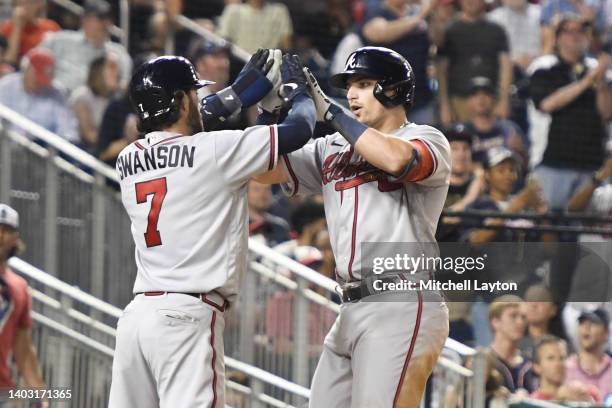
(252, 83)
(322, 102)
(294, 80)
(272, 102)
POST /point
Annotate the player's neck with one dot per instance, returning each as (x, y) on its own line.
(179, 127)
(392, 122)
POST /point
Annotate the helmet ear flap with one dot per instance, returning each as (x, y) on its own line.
(402, 94)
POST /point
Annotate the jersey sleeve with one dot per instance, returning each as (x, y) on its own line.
(434, 147)
(241, 154)
(304, 167)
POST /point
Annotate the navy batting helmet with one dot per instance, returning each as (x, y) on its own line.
(154, 86)
(393, 72)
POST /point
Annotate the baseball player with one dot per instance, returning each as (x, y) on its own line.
(185, 193)
(383, 179)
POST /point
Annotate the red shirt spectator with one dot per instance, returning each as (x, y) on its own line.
(15, 314)
(31, 34)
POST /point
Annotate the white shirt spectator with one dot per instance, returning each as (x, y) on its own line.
(522, 25)
(251, 28)
(46, 108)
(73, 54)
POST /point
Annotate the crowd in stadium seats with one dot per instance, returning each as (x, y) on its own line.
(521, 89)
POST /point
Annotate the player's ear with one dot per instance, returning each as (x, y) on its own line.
(184, 104)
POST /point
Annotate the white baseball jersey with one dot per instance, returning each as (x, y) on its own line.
(186, 198)
(361, 203)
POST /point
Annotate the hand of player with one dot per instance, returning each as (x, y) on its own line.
(252, 83)
(293, 78)
(272, 102)
(321, 101)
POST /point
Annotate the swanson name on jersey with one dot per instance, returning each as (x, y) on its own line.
(154, 158)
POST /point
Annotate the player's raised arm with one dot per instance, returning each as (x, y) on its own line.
(252, 84)
(295, 131)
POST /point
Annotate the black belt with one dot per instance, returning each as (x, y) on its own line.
(213, 298)
(355, 291)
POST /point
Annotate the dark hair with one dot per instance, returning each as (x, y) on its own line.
(543, 341)
(166, 120)
(306, 213)
(95, 79)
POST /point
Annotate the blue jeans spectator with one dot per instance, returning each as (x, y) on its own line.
(558, 185)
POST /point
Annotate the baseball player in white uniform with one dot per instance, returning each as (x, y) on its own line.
(185, 193)
(383, 179)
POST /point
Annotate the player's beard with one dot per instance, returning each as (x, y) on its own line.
(194, 120)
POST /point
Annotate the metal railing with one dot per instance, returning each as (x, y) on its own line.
(77, 230)
(76, 344)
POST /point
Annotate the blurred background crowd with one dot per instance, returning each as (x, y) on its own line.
(520, 88)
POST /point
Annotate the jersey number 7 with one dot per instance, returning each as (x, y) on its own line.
(158, 188)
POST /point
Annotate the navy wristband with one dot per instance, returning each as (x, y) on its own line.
(349, 127)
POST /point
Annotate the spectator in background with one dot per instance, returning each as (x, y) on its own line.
(591, 365)
(501, 174)
(489, 130)
(401, 25)
(473, 46)
(5, 67)
(117, 130)
(150, 24)
(212, 61)
(573, 90)
(466, 182)
(256, 24)
(74, 50)
(90, 101)
(521, 21)
(32, 94)
(539, 309)
(15, 311)
(442, 15)
(306, 220)
(595, 197)
(589, 12)
(26, 28)
(508, 325)
(549, 360)
(272, 230)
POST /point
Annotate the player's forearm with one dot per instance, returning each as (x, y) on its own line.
(388, 153)
(295, 131)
